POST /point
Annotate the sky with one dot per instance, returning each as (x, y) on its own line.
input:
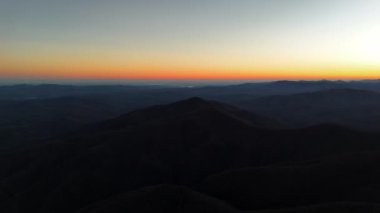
(189, 39)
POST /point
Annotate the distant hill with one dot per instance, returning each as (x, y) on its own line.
(44, 91)
(222, 93)
(354, 108)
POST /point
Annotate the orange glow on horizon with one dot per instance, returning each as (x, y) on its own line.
(116, 70)
(196, 75)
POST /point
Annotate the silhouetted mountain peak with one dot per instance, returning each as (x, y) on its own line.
(193, 100)
(194, 103)
(193, 109)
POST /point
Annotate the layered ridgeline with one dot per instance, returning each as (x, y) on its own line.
(211, 157)
(30, 113)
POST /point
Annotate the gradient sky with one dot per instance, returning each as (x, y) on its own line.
(190, 39)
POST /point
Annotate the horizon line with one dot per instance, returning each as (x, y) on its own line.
(164, 82)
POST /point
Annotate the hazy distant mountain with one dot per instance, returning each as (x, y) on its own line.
(180, 143)
(25, 92)
(44, 91)
(355, 108)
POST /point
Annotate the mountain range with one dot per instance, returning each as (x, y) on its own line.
(194, 155)
(268, 147)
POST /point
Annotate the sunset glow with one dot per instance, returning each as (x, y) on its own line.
(291, 39)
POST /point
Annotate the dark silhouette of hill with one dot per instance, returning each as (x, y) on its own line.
(180, 143)
(170, 198)
(329, 208)
(192, 109)
(341, 178)
(354, 108)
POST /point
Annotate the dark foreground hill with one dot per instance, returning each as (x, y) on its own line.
(161, 198)
(339, 178)
(171, 198)
(189, 143)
